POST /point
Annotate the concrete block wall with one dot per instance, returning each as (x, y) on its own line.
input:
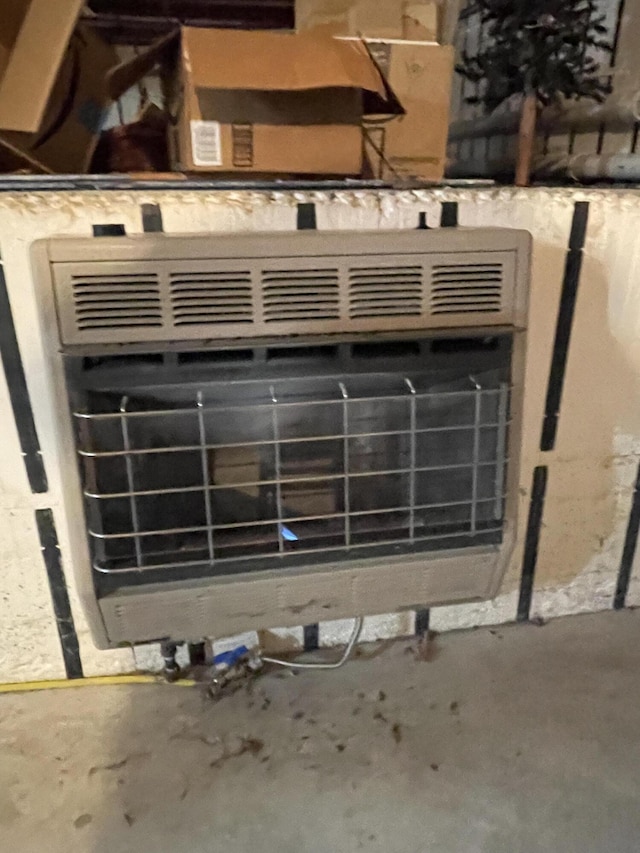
(585, 534)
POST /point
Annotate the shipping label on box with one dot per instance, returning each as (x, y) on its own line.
(206, 142)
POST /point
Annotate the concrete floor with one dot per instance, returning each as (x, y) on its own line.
(509, 740)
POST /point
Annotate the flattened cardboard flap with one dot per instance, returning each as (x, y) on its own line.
(13, 14)
(33, 61)
(234, 59)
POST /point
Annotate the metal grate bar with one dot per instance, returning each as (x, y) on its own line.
(205, 476)
(316, 478)
(283, 404)
(345, 463)
(304, 551)
(269, 522)
(130, 481)
(476, 452)
(277, 465)
(501, 447)
(180, 448)
(412, 459)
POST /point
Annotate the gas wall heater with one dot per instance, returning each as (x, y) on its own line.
(284, 428)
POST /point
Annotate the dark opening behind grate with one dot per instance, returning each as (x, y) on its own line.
(278, 463)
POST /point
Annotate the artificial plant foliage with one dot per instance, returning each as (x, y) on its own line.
(537, 47)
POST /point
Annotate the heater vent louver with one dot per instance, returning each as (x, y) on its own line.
(116, 301)
(211, 297)
(162, 288)
(379, 292)
(300, 294)
(466, 288)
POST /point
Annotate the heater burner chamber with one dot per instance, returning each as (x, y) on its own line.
(211, 478)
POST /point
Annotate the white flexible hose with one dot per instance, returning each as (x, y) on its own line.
(353, 639)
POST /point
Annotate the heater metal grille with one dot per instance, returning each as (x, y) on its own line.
(254, 475)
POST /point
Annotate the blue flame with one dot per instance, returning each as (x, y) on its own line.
(287, 534)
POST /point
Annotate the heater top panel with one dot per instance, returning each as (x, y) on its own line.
(166, 288)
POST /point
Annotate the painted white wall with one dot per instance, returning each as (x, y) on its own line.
(591, 471)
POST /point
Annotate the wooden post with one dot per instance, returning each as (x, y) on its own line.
(526, 139)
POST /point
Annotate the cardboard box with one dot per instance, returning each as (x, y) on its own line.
(273, 103)
(233, 465)
(54, 86)
(387, 19)
(412, 145)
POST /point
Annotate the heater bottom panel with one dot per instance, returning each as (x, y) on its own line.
(226, 606)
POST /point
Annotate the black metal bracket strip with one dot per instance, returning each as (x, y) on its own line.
(197, 654)
(306, 217)
(421, 625)
(629, 549)
(110, 229)
(306, 221)
(19, 394)
(449, 214)
(151, 218)
(532, 539)
(311, 634)
(59, 593)
(564, 324)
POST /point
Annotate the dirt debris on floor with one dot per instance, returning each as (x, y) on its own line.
(519, 746)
